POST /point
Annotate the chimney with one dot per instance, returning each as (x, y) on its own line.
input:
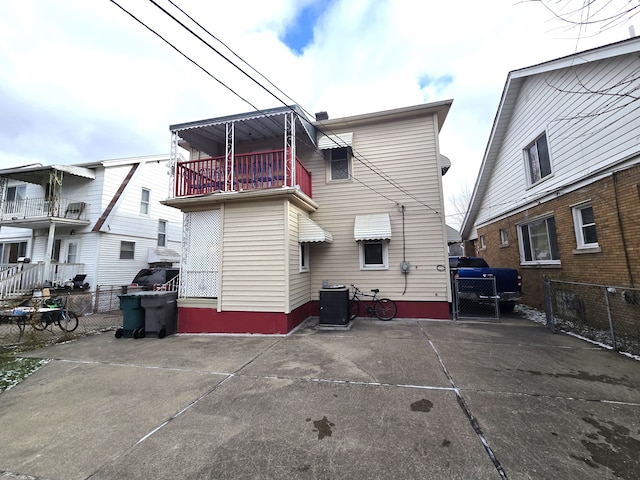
(322, 116)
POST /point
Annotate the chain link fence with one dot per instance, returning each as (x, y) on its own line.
(97, 311)
(475, 298)
(606, 314)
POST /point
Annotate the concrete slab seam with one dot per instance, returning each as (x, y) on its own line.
(553, 397)
(133, 365)
(163, 424)
(467, 411)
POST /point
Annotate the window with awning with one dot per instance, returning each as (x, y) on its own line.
(309, 231)
(372, 227)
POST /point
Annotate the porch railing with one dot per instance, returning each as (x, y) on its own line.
(21, 280)
(41, 207)
(250, 171)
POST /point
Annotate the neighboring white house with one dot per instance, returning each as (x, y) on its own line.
(103, 219)
(558, 189)
(276, 206)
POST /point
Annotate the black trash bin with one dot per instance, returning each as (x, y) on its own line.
(334, 306)
(160, 312)
(132, 316)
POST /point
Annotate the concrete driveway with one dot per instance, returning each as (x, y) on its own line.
(403, 399)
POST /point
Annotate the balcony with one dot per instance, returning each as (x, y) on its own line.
(41, 212)
(250, 171)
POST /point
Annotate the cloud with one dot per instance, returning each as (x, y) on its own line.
(85, 81)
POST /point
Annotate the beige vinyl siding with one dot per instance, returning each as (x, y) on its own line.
(253, 260)
(405, 150)
(585, 131)
(299, 282)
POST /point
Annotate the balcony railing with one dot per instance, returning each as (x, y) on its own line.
(32, 208)
(250, 171)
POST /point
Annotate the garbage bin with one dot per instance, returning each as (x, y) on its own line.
(334, 306)
(132, 316)
(160, 312)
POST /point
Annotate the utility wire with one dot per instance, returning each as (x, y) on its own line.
(356, 155)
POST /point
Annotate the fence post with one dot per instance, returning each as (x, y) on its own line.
(607, 291)
(548, 304)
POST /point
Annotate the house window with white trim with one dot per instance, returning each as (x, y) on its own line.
(72, 252)
(127, 250)
(585, 226)
(483, 242)
(339, 164)
(538, 241)
(145, 199)
(504, 237)
(538, 160)
(162, 233)
(304, 257)
(374, 255)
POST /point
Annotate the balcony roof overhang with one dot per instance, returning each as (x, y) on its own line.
(43, 223)
(38, 173)
(213, 200)
(260, 125)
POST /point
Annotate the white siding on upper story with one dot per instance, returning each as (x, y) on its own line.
(590, 124)
(253, 260)
(405, 150)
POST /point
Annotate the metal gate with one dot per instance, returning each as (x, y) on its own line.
(475, 298)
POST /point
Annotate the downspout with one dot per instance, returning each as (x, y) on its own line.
(624, 243)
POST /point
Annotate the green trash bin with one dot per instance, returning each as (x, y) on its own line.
(132, 316)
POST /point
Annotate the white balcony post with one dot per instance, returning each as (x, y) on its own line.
(173, 160)
(290, 148)
(49, 251)
(229, 157)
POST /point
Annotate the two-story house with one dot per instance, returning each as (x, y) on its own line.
(558, 190)
(100, 219)
(276, 206)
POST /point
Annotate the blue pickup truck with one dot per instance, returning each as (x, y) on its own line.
(508, 281)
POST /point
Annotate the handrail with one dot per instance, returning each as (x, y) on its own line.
(42, 207)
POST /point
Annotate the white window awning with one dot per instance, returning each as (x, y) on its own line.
(326, 142)
(309, 231)
(372, 227)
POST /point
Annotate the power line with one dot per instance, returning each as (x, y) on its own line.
(361, 158)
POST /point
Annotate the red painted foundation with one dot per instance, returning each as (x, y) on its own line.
(206, 320)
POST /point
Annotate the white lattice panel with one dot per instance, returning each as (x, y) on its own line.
(200, 254)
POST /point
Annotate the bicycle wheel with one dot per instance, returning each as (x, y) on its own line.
(354, 308)
(41, 323)
(68, 321)
(385, 309)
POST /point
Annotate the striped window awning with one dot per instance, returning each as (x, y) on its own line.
(372, 227)
(309, 231)
(326, 142)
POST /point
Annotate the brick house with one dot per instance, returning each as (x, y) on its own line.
(559, 186)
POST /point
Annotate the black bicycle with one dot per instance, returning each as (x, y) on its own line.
(383, 308)
(55, 311)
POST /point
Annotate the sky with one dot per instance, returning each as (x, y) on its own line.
(83, 81)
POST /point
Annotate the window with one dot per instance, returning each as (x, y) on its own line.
(144, 201)
(162, 233)
(72, 252)
(17, 193)
(304, 257)
(340, 164)
(538, 241)
(537, 155)
(504, 237)
(127, 250)
(374, 255)
(585, 226)
(483, 243)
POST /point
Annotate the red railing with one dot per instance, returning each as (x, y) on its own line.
(250, 171)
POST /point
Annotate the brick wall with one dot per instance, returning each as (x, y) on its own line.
(616, 207)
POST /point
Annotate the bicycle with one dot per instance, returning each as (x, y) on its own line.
(55, 311)
(383, 308)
